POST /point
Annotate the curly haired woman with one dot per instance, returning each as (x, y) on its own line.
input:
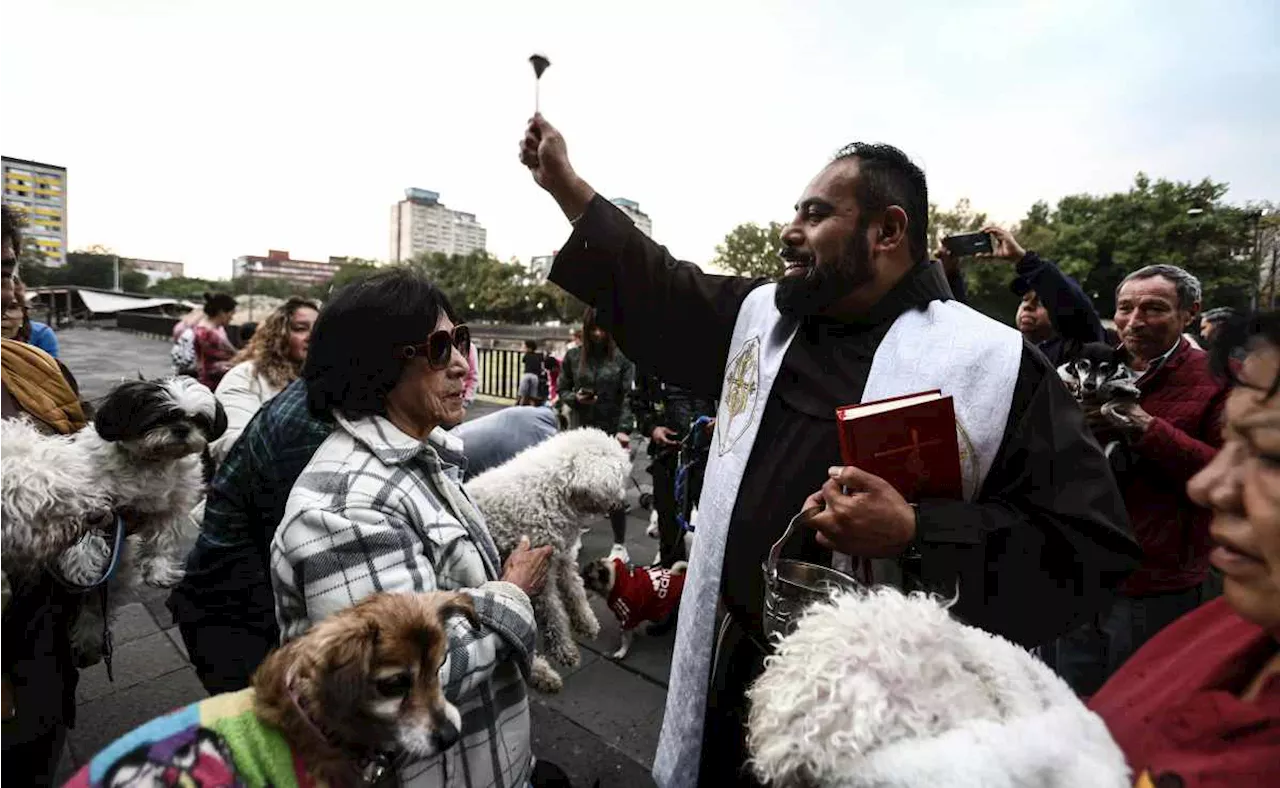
(272, 360)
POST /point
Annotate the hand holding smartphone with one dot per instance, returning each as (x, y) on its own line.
(968, 244)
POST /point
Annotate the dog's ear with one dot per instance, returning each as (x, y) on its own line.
(1122, 356)
(458, 604)
(114, 416)
(343, 681)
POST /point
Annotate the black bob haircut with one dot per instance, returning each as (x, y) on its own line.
(218, 304)
(353, 361)
(1246, 332)
(886, 176)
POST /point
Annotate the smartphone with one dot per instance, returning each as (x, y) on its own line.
(967, 244)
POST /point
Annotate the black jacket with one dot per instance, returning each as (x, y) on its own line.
(659, 404)
(1070, 309)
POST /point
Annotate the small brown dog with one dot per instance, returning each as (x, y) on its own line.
(364, 682)
(359, 692)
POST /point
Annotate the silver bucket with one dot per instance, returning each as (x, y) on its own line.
(792, 586)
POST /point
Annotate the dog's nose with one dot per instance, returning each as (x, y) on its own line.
(445, 735)
(181, 430)
(446, 724)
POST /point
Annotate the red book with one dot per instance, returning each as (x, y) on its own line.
(908, 441)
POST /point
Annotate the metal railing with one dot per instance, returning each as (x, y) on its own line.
(500, 372)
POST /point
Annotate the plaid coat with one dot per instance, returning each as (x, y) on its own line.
(376, 510)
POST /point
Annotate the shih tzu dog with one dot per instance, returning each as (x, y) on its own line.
(637, 595)
(340, 705)
(145, 452)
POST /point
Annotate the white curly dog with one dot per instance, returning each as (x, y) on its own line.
(886, 690)
(548, 492)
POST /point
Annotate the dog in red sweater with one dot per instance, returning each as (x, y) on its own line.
(636, 595)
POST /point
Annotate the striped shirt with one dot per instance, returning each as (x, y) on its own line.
(377, 510)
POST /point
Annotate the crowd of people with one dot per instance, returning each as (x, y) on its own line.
(1147, 580)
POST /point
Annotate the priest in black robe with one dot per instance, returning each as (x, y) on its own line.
(1041, 547)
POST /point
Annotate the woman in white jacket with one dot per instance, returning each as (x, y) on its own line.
(272, 360)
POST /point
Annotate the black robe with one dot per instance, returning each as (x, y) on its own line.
(1041, 548)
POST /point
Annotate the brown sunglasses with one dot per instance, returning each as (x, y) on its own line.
(438, 348)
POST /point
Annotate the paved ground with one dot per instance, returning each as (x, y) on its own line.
(602, 728)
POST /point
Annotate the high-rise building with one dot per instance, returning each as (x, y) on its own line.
(40, 191)
(278, 265)
(421, 223)
(632, 209)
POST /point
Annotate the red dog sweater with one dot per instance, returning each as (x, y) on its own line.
(643, 594)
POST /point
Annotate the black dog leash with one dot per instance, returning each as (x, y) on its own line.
(100, 584)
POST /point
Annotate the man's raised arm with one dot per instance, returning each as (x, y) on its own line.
(666, 315)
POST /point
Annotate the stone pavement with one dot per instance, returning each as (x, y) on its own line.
(602, 728)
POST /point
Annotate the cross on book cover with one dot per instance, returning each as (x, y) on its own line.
(909, 441)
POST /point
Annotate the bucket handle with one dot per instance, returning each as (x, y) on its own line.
(775, 552)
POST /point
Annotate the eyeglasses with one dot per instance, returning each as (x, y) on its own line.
(438, 348)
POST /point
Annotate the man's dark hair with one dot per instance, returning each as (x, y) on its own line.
(11, 227)
(530, 345)
(354, 360)
(887, 177)
(218, 303)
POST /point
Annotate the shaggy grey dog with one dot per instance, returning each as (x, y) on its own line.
(140, 459)
(48, 500)
(547, 492)
(881, 689)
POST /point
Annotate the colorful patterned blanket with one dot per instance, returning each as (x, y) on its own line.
(216, 742)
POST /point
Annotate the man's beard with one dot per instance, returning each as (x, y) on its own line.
(824, 284)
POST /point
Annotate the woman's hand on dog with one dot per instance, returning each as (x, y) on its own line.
(527, 567)
(863, 515)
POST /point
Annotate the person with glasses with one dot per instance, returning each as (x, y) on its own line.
(380, 507)
(223, 605)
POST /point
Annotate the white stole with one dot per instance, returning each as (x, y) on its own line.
(947, 346)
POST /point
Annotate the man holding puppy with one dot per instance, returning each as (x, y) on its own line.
(1041, 539)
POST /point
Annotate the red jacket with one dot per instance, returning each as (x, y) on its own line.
(644, 594)
(1174, 707)
(1186, 401)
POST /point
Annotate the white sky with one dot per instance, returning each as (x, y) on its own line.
(199, 131)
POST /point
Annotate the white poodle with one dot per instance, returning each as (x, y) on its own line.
(886, 690)
(547, 492)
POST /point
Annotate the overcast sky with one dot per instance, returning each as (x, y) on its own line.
(199, 131)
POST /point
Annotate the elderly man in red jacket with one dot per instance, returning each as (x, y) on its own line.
(1175, 430)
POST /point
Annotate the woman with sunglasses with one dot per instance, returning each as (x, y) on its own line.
(380, 507)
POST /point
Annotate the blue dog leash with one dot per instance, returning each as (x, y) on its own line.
(692, 443)
(117, 547)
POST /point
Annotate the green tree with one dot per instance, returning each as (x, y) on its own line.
(350, 272)
(187, 288)
(1100, 239)
(752, 250)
